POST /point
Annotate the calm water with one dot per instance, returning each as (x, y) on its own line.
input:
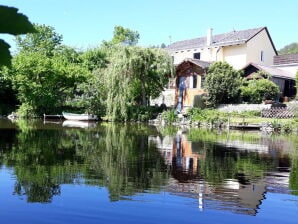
(104, 173)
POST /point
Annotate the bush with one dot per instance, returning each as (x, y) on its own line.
(169, 116)
(142, 113)
(222, 84)
(212, 117)
(255, 91)
(27, 111)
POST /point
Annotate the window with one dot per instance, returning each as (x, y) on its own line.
(194, 83)
(262, 55)
(202, 81)
(197, 55)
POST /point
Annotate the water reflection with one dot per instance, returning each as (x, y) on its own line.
(222, 171)
(227, 174)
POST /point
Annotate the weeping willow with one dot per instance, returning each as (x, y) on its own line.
(132, 75)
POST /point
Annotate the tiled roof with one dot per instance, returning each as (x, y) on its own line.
(225, 39)
(200, 63)
(274, 72)
(285, 59)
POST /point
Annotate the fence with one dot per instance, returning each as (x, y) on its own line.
(278, 112)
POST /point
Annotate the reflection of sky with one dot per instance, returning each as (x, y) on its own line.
(90, 204)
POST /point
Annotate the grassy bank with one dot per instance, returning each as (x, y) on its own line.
(214, 118)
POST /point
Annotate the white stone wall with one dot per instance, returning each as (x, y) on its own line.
(243, 107)
(167, 97)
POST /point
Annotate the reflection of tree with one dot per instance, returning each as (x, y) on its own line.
(293, 182)
(221, 163)
(41, 163)
(224, 162)
(118, 158)
(122, 159)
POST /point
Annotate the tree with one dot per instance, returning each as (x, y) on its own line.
(131, 76)
(125, 35)
(222, 83)
(94, 59)
(44, 40)
(45, 74)
(11, 22)
(289, 49)
(44, 84)
(163, 45)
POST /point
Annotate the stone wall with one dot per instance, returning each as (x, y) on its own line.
(167, 97)
(243, 107)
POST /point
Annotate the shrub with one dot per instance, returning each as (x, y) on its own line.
(142, 113)
(255, 91)
(169, 116)
(212, 117)
(222, 84)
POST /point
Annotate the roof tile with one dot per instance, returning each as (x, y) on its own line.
(230, 38)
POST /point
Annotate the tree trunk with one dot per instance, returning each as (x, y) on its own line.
(143, 81)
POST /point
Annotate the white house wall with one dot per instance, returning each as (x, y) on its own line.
(258, 43)
(289, 68)
(235, 55)
(180, 55)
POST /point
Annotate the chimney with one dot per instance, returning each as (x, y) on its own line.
(209, 37)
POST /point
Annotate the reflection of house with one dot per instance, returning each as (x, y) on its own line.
(185, 161)
(164, 145)
(241, 193)
(178, 152)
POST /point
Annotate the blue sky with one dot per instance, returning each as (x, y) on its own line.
(85, 23)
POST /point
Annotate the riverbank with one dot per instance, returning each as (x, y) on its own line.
(244, 120)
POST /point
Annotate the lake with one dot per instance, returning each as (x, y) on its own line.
(75, 172)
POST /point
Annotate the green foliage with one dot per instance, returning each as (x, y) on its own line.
(5, 57)
(11, 22)
(44, 40)
(132, 76)
(222, 83)
(142, 113)
(43, 83)
(169, 116)
(289, 49)
(257, 90)
(118, 158)
(125, 36)
(213, 117)
(45, 74)
(7, 94)
(94, 59)
(251, 113)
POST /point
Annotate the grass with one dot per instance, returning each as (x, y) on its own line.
(258, 120)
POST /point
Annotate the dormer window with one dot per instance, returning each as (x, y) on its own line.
(197, 55)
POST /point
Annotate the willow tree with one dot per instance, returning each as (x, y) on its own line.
(132, 75)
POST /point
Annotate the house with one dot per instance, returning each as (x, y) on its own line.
(287, 62)
(284, 79)
(238, 48)
(193, 57)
